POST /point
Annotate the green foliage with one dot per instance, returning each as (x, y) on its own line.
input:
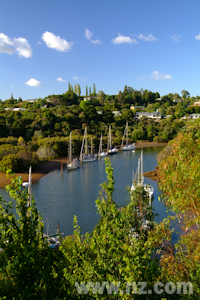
(179, 182)
(28, 269)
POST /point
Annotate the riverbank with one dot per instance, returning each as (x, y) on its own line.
(47, 166)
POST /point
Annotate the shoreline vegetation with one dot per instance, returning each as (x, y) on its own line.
(45, 167)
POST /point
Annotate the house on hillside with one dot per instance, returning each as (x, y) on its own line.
(31, 100)
(116, 113)
(197, 103)
(18, 108)
(149, 115)
(88, 98)
(194, 116)
(177, 100)
(136, 107)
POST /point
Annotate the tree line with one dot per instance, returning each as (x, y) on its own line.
(45, 125)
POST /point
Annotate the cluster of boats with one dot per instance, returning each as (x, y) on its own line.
(89, 156)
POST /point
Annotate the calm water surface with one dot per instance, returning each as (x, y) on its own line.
(60, 197)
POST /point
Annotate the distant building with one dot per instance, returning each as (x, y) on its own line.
(31, 100)
(194, 116)
(178, 100)
(136, 107)
(149, 115)
(88, 98)
(18, 108)
(116, 113)
(197, 103)
(159, 99)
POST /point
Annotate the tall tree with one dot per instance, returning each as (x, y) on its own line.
(86, 91)
(94, 89)
(79, 90)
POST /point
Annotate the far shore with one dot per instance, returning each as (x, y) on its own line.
(55, 164)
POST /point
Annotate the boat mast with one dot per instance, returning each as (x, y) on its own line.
(91, 147)
(109, 138)
(126, 133)
(123, 138)
(81, 153)
(86, 145)
(70, 147)
(142, 181)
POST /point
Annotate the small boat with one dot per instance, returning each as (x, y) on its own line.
(72, 163)
(101, 152)
(127, 147)
(139, 179)
(109, 147)
(85, 156)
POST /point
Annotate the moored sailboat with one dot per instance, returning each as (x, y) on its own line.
(85, 156)
(72, 163)
(139, 179)
(101, 152)
(109, 147)
(127, 146)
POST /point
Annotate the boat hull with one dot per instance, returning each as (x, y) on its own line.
(71, 167)
(89, 159)
(128, 148)
(112, 151)
(103, 154)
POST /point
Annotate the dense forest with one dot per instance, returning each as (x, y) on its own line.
(37, 130)
(110, 258)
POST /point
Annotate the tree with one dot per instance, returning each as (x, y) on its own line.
(86, 91)
(27, 266)
(179, 182)
(94, 90)
(185, 94)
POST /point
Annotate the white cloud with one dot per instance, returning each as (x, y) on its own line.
(147, 38)
(33, 82)
(197, 37)
(61, 80)
(88, 35)
(176, 37)
(12, 86)
(121, 39)
(141, 78)
(56, 42)
(159, 76)
(12, 45)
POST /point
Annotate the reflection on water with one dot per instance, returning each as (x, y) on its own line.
(61, 196)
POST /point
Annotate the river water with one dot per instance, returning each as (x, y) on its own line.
(61, 196)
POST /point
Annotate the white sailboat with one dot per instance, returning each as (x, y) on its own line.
(72, 163)
(139, 179)
(127, 147)
(85, 156)
(101, 152)
(109, 147)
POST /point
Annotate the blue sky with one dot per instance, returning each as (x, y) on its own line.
(149, 44)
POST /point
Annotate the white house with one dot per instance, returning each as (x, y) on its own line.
(116, 113)
(178, 100)
(88, 98)
(197, 103)
(18, 108)
(31, 100)
(149, 115)
(194, 116)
